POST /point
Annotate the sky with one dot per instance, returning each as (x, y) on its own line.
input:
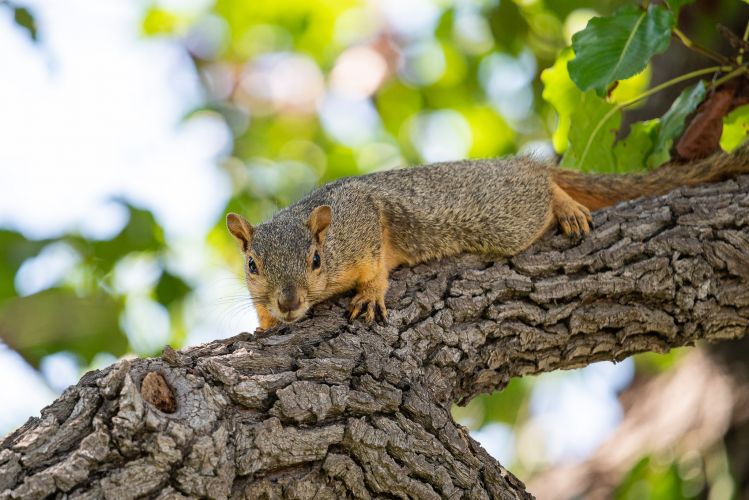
(77, 134)
(94, 111)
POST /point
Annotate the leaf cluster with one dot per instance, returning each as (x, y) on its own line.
(612, 51)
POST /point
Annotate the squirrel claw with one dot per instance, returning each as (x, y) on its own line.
(382, 311)
(368, 307)
(574, 218)
(576, 222)
(365, 308)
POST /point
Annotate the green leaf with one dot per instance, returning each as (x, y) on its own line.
(735, 128)
(159, 22)
(619, 46)
(592, 138)
(651, 479)
(506, 405)
(170, 288)
(14, 250)
(509, 26)
(672, 123)
(141, 234)
(632, 153)
(563, 95)
(25, 19)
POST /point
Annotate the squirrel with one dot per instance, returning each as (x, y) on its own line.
(352, 232)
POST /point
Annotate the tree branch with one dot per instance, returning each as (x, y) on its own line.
(328, 409)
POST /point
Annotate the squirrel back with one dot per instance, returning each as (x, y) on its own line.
(350, 233)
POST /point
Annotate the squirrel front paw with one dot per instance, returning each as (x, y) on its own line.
(369, 301)
(573, 217)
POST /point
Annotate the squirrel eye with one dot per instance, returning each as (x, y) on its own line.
(316, 260)
(252, 266)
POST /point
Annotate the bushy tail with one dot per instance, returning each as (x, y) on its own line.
(598, 191)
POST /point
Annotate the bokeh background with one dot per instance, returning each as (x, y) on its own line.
(129, 127)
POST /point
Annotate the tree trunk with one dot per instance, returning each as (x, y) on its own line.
(329, 409)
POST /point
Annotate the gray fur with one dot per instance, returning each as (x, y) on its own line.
(493, 206)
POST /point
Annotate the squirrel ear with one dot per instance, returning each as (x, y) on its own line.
(318, 221)
(240, 229)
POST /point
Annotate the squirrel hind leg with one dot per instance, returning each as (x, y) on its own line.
(573, 217)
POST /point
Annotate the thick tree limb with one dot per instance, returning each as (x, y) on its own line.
(328, 409)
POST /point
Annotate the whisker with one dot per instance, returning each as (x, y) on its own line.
(233, 299)
(227, 317)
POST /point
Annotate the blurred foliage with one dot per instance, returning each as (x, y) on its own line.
(80, 313)
(23, 18)
(690, 475)
(314, 91)
(735, 128)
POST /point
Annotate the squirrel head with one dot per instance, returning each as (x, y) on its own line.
(285, 265)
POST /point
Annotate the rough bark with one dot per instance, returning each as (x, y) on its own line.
(329, 409)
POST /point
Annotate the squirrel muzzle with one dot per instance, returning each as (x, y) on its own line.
(290, 305)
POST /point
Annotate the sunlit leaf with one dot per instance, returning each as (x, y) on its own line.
(396, 103)
(651, 363)
(735, 128)
(455, 67)
(619, 46)
(159, 22)
(563, 95)
(312, 23)
(631, 88)
(651, 479)
(491, 134)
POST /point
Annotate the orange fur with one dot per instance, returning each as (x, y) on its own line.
(265, 317)
(573, 217)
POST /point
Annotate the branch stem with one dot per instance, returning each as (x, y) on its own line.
(700, 49)
(730, 76)
(740, 58)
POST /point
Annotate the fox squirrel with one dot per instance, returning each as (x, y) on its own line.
(352, 232)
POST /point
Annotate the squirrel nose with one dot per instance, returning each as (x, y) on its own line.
(289, 301)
